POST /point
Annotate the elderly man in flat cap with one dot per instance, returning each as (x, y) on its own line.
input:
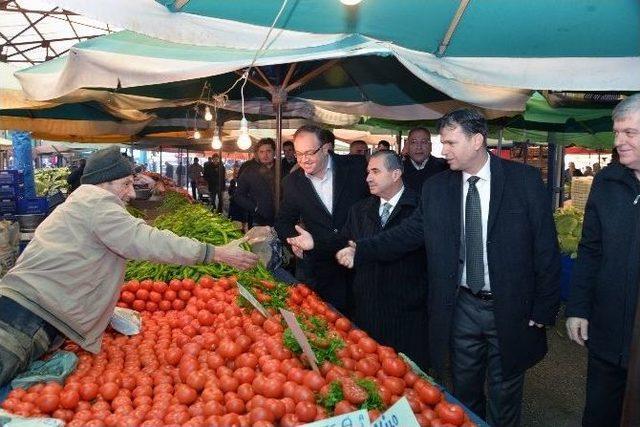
(67, 281)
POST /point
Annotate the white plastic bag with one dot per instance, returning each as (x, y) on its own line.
(126, 321)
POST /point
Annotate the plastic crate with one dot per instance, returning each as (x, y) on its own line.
(55, 199)
(33, 205)
(11, 177)
(11, 191)
(8, 206)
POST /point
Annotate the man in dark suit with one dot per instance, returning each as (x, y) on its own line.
(390, 296)
(255, 191)
(319, 194)
(493, 267)
(289, 159)
(420, 165)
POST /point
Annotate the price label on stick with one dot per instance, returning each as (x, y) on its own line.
(400, 414)
(358, 418)
(254, 302)
(299, 335)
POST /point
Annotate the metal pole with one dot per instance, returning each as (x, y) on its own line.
(186, 172)
(399, 142)
(221, 176)
(278, 160)
(556, 169)
(161, 160)
(500, 138)
(631, 406)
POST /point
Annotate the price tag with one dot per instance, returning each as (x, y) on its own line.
(399, 415)
(254, 302)
(299, 335)
(358, 418)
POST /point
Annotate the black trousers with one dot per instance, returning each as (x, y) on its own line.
(193, 190)
(475, 359)
(605, 393)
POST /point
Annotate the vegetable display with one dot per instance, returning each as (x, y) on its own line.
(569, 228)
(197, 222)
(205, 355)
(202, 359)
(48, 180)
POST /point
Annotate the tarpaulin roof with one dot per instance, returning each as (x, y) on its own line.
(486, 53)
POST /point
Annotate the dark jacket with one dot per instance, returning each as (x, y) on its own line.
(414, 178)
(605, 276)
(286, 166)
(74, 178)
(390, 297)
(301, 203)
(214, 174)
(255, 193)
(523, 257)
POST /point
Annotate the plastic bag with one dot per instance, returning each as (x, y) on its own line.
(12, 420)
(56, 368)
(265, 243)
(126, 321)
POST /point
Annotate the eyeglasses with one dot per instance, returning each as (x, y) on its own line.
(307, 153)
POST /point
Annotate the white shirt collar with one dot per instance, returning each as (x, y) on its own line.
(421, 165)
(394, 200)
(327, 171)
(484, 173)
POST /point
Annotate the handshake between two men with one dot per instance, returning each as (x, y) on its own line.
(304, 242)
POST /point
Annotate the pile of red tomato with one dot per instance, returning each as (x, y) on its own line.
(201, 360)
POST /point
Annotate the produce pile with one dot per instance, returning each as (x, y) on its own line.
(48, 180)
(569, 228)
(188, 219)
(213, 362)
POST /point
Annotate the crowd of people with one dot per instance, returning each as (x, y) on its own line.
(453, 261)
(456, 262)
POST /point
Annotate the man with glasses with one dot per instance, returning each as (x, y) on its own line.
(320, 194)
(420, 164)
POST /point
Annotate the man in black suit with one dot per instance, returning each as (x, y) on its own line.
(493, 267)
(390, 297)
(319, 194)
(289, 159)
(256, 184)
(420, 165)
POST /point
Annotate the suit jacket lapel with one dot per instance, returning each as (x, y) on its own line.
(307, 188)
(339, 177)
(497, 187)
(454, 204)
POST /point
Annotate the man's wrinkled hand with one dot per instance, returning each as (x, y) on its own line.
(234, 256)
(578, 329)
(346, 255)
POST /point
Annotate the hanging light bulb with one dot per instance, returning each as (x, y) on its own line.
(244, 141)
(207, 114)
(216, 143)
(196, 134)
(350, 2)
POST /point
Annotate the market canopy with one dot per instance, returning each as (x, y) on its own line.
(487, 53)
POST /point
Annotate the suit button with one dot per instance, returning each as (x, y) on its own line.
(335, 230)
(451, 276)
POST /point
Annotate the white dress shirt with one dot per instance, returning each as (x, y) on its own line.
(419, 166)
(484, 191)
(393, 202)
(324, 186)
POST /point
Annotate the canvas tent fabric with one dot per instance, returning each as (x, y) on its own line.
(500, 51)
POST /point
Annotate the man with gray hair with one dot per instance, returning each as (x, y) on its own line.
(390, 295)
(67, 281)
(604, 293)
